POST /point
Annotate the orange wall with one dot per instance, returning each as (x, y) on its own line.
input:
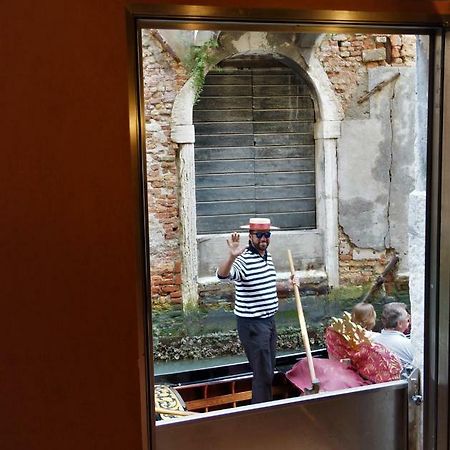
(69, 325)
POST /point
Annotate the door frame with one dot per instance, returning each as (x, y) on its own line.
(437, 267)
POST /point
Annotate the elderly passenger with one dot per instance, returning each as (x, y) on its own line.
(395, 319)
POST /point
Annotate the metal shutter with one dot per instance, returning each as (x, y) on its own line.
(254, 149)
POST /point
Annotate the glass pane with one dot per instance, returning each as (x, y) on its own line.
(324, 135)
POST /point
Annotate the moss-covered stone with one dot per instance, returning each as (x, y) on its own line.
(172, 348)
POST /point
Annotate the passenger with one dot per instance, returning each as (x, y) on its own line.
(395, 319)
(364, 314)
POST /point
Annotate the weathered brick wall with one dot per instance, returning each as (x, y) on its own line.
(346, 59)
(357, 266)
(163, 78)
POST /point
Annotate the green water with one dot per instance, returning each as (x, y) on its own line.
(208, 337)
(317, 310)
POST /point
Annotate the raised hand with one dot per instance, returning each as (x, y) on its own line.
(234, 245)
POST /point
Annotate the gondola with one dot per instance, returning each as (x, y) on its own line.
(230, 386)
(220, 387)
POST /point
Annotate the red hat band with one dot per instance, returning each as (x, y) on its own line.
(259, 226)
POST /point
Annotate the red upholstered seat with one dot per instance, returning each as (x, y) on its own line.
(337, 347)
(376, 363)
(332, 375)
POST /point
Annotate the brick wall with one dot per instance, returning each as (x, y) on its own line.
(347, 57)
(163, 78)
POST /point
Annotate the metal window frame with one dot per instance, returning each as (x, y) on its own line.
(437, 267)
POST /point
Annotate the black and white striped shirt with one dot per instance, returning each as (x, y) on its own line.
(254, 277)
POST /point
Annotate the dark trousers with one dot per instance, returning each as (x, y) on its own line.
(259, 339)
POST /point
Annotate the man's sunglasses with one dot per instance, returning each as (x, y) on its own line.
(260, 234)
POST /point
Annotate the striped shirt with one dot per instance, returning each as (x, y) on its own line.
(254, 277)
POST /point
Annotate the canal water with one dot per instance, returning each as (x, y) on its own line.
(318, 311)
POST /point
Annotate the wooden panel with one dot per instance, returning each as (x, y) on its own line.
(284, 165)
(225, 207)
(259, 192)
(285, 102)
(254, 148)
(230, 193)
(229, 399)
(207, 153)
(284, 139)
(282, 205)
(291, 220)
(284, 114)
(284, 89)
(233, 115)
(243, 206)
(220, 103)
(225, 166)
(223, 224)
(218, 400)
(280, 192)
(232, 140)
(222, 180)
(265, 79)
(215, 90)
(290, 126)
(261, 179)
(232, 77)
(300, 151)
(279, 178)
(224, 128)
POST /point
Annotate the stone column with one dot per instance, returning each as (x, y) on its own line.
(326, 133)
(416, 233)
(184, 135)
(417, 206)
(416, 220)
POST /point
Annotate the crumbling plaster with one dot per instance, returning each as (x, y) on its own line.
(376, 172)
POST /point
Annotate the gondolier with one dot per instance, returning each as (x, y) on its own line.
(253, 273)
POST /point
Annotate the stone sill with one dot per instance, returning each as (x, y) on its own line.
(306, 276)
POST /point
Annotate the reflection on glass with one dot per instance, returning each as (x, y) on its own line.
(322, 134)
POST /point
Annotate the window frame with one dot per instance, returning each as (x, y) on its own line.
(437, 266)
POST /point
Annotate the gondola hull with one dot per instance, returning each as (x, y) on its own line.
(224, 419)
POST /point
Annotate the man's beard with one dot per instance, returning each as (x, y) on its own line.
(258, 246)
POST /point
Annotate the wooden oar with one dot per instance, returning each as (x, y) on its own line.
(304, 332)
(174, 412)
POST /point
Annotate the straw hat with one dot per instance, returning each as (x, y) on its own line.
(259, 223)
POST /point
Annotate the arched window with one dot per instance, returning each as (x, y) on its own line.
(254, 148)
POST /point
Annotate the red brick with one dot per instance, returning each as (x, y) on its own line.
(169, 288)
(177, 279)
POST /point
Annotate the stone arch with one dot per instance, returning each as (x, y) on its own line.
(299, 52)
